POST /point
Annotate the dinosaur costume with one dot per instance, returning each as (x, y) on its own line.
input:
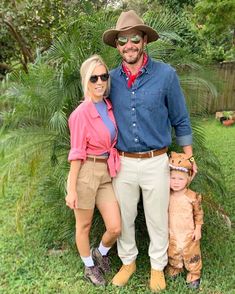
(185, 212)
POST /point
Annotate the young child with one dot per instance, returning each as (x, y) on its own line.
(185, 221)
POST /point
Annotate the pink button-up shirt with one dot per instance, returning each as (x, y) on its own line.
(89, 135)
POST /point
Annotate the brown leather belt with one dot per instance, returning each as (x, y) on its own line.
(97, 159)
(147, 154)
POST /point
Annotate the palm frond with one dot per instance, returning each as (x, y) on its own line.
(58, 121)
(164, 21)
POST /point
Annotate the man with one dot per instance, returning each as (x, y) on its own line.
(147, 101)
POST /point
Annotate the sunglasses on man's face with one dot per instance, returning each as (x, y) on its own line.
(103, 77)
(122, 40)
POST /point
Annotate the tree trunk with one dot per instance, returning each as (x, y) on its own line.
(27, 55)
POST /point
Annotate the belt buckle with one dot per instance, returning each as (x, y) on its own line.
(152, 154)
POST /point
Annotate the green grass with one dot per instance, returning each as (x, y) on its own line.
(28, 265)
(221, 141)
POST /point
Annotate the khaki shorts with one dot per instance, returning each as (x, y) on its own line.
(94, 185)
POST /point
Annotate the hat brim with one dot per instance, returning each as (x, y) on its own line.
(110, 36)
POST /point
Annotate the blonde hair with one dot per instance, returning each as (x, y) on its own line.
(86, 70)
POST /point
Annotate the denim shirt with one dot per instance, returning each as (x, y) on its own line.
(146, 112)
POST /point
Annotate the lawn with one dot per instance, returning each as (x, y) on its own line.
(28, 265)
(221, 140)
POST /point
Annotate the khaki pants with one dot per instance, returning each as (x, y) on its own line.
(152, 176)
(188, 257)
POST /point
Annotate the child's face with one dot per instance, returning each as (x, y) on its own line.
(178, 180)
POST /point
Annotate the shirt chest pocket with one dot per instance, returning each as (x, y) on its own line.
(152, 100)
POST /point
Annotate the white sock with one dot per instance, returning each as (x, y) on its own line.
(103, 250)
(88, 261)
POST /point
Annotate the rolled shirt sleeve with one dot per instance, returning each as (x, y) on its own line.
(78, 137)
(184, 140)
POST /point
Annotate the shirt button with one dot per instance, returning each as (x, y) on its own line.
(133, 108)
(134, 124)
(136, 140)
(133, 93)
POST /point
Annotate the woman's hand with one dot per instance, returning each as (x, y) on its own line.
(72, 200)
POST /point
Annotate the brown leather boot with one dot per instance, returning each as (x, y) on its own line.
(157, 281)
(124, 274)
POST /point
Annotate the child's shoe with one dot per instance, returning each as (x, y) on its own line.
(173, 272)
(194, 284)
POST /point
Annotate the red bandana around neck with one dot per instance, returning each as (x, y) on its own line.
(132, 78)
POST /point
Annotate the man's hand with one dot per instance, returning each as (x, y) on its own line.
(188, 150)
(194, 170)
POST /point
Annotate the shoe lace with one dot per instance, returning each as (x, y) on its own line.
(106, 263)
(97, 273)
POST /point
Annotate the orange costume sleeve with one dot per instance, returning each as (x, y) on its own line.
(196, 199)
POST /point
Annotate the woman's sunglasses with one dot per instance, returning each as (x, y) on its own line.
(122, 40)
(103, 77)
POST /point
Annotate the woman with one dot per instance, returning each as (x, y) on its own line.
(93, 161)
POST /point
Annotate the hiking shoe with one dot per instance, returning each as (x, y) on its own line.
(102, 261)
(194, 284)
(94, 275)
(157, 280)
(124, 274)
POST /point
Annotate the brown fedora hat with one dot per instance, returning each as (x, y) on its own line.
(126, 21)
